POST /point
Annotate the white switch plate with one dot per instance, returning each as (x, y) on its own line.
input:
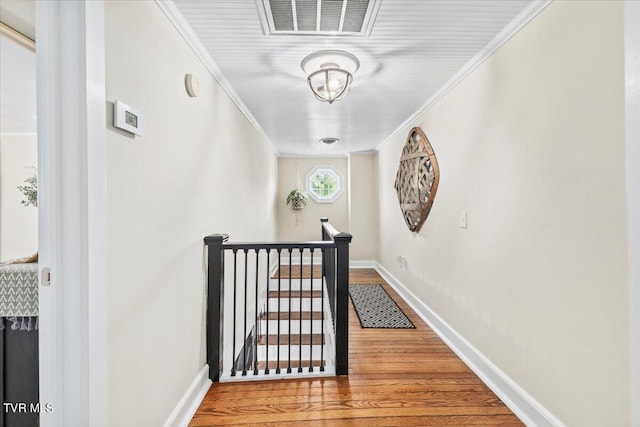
(463, 219)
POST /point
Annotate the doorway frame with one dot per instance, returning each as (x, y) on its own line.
(72, 225)
(632, 160)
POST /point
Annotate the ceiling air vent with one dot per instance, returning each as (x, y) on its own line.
(318, 17)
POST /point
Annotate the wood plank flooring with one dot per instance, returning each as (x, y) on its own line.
(398, 377)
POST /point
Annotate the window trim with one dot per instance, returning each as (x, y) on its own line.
(331, 170)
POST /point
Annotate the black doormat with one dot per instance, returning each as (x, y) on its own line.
(376, 309)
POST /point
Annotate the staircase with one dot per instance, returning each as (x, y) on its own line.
(295, 331)
(266, 326)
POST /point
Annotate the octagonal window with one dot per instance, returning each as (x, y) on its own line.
(324, 184)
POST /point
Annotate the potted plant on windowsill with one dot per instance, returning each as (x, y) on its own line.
(297, 199)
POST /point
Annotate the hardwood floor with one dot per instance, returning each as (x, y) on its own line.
(398, 377)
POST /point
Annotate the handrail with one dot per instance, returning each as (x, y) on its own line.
(336, 267)
(280, 245)
(326, 226)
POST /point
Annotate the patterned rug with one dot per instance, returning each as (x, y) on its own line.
(376, 309)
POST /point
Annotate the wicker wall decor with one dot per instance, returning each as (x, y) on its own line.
(417, 179)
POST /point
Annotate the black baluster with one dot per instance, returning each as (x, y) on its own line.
(311, 321)
(278, 340)
(255, 325)
(235, 282)
(322, 307)
(266, 368)
(244, 334)
(334, 283)
(300, 320)
(289, 330)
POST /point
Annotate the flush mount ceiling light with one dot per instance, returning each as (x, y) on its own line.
(330, 73)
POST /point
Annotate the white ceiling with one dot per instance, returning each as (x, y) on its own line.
(19, 15)
(415, 47)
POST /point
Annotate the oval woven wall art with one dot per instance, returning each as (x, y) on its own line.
(417, 179)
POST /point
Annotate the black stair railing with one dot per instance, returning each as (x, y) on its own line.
(215, 303)
(336, 274)
(247, 282)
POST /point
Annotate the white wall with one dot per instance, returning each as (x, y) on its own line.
(355, 211)
(18, 146)
(308, 227)
(363, 207)
(18, 223)
(531, 144)
(200, 168)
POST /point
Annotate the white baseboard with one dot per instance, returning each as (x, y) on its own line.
(329, 371)
(523, 405)
(191, 400)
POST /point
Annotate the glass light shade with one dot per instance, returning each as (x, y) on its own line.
(330, 73)
(330, 84)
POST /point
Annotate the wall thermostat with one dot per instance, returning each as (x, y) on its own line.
(126, 118)
(192, 85)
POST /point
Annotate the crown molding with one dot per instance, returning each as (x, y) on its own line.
(371, 152)
(512, 28)
(312, 156)
(346, 155)
(17, 36)
(185, 30)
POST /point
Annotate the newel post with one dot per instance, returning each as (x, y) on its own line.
(342, 241)
(215, 298)
(322, 230)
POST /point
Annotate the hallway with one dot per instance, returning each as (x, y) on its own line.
(405, 377)
(184, 119)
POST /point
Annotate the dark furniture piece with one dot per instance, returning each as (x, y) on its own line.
(19, 377)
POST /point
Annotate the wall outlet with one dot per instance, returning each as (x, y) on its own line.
(463, 219)
(402, 261)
